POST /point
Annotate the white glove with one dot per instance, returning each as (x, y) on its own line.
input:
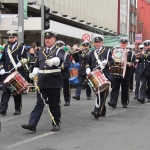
(53, 61)
(104, 62)
(88, 71)
(2, 72)
(34, 73)
(18, 65)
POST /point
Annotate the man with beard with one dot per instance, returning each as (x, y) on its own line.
(17, 51)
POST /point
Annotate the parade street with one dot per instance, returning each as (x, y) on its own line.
(121, 129)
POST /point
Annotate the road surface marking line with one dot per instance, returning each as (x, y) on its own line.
(115, 113)
(28, 140)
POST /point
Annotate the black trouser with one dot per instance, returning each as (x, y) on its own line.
(131, 81)
(102, 109)
(140, 91)
(148, 87)
(66, 90)
(53, 95)
(124, 91)
(5, 99)
(81, 79)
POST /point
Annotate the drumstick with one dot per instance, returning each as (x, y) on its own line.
(48, 109)
(9, 70)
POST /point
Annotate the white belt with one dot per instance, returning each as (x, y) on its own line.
(49, 71)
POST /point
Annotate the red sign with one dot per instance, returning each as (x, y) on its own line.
(138, 38)
(85, 37)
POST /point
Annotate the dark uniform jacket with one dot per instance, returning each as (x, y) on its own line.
(131, 59)
(82, 58)
(146, 63)
(140, 65)
(65, 66)
(18, 52)
(50, 80)
(92, 62)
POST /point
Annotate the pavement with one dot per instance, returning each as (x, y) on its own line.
(121, 129)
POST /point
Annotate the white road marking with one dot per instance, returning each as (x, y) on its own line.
(29, 140)
(115, 113)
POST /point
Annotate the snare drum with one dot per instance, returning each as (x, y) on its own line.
(16, 83)
(97, 81)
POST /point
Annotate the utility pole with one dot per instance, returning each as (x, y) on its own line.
(42, 22)
(21, 21)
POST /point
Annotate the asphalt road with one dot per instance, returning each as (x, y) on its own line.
(121, 129)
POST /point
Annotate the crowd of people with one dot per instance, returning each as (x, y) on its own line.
(48, 68)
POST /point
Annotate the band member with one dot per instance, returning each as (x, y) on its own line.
(120, 80)
(139, 75)
(82, 56)
(65, 73)
(145, 60)
(7, 63)
(103, 55)
(50, 81)
(132, 70)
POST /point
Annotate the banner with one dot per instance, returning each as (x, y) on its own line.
(25, 9)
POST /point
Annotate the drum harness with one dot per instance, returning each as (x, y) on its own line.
(102, 67)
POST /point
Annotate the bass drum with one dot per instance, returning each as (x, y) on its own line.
(120, 63)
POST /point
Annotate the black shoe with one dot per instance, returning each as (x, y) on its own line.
(124, 106)
(148, 101)
(67, 104)
(89, 98)
(111, 105)
(131, 90)
(17, 112)
(141, 100)
(55, 128)
(2, 112)
(76, 97)
(29, 127)
(136, 97)
(95, 114)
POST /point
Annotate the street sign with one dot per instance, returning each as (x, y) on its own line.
(138, 38)
(85, 37)
(15, 23)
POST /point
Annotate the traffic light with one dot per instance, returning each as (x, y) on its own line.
(46, 18)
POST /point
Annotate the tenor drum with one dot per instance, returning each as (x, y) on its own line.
(97, 81)
(16, 83)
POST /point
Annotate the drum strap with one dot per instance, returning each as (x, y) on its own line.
(98, 60)
(11, 58)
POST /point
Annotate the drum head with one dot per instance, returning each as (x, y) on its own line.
(11, 76)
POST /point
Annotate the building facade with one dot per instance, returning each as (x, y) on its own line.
(70, 18)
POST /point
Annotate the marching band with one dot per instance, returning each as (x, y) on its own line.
(101, 69)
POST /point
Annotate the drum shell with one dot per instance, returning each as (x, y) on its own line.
(16, 83)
